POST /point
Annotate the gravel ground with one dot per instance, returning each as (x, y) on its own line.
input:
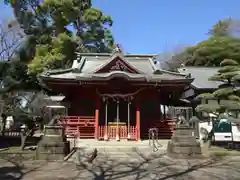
(154, 168)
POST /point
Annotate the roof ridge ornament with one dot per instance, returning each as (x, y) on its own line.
(117, 49)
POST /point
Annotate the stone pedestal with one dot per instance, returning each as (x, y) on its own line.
(53, 145)
(184, 144)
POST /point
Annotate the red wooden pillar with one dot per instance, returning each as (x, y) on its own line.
(97, 117)
(138, 120)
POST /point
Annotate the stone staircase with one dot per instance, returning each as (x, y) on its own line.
(115, 151)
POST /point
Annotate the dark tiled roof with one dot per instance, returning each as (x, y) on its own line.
(86, 65)
(144, 63)
(201, 76)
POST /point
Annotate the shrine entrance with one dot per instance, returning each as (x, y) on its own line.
(117, 120)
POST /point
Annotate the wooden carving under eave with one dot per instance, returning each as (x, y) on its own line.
(117, 64)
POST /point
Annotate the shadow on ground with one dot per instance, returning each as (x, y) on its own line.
(158, 167)
(14, 168)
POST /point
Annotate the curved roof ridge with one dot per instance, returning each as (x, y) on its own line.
(110, 54)
(56, 71)
(116, 72)
(173, 73)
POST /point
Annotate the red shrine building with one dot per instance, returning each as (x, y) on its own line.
(117, 96)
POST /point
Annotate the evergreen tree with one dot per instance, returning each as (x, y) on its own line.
(227, 94)
(224, 42)
(226, 27)
(54, 31)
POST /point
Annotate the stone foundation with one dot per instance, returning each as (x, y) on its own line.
(53, 145)
(184, 144)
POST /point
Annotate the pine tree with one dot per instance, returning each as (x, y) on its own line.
(227, 94)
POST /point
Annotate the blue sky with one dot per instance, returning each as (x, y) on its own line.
(160, 25)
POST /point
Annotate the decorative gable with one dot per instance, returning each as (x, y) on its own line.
(117, 64)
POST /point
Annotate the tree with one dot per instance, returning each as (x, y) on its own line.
(32, 113)
(212, 51)
(54, 31)
(227, 93)
(49, 42)
(27, 108)
(226, 27)
(172, 60)
(59, 54)
(224, 42)
(10, 39)
(60, 28)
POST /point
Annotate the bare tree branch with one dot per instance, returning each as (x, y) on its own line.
(171, 60)
(11, 37)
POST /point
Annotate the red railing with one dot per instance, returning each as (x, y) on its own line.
(79, 126)
(79, 120)
(84, 127)
(122, 131)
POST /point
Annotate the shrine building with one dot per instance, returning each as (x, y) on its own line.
(117, 96)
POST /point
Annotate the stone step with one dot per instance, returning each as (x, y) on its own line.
(101, 156)
(114, 150)
(115, 144)
(111, 149)
(118, 155)
(117, 150)
(184, 133)
(183, 138)
(85, 143)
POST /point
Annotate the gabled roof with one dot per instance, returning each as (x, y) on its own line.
(98, 67)
(117, 62)
(201, 76)
(91, 62)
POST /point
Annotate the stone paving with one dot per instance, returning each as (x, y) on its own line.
(103, 168)
(123, 143)
(121, 161)
(116, 150)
